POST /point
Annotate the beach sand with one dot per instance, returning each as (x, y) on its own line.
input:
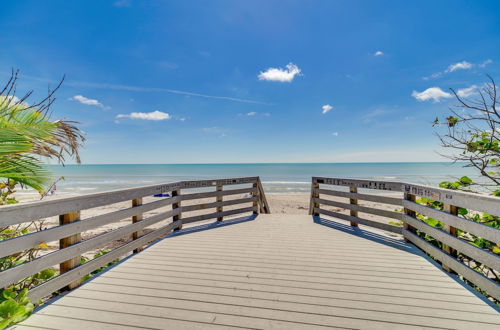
(279, 203)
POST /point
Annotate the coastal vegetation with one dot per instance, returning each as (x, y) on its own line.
(472, 135)
(28, 138)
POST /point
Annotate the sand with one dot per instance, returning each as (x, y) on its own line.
(279, 203)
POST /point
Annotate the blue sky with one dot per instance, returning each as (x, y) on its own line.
(248, 81)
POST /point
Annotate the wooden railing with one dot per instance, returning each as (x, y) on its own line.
(168, 203)
(320, 195)
(406, 197)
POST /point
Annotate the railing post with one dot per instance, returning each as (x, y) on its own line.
(314, 206)
(219, 199)
(264, 206)
(353, 201)
(69, 264)
(411, 213)
(136, 218)
(452, 209)
(175, 206)
(255, 193)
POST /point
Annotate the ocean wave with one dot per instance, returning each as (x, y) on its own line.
(106, 182)
(286, 182)
(79, 188)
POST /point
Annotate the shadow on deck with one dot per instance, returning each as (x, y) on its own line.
(271, 272)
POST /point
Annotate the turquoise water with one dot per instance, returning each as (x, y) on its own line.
(276, 178)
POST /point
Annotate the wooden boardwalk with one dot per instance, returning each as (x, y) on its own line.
(272, 272)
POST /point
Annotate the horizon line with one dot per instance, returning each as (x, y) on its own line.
(259, 163)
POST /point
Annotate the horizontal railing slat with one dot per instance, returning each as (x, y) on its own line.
(371, 198)
(480, 280)
(368, 184)
(490, 233)
(205, 206)
(14, 274)
(366, 222)
(217, 182)
(60, 281)
(471, 201)
(359, 208)
(216, 214)
(14, 214)
(473, 252)
(31, 240)
(209, 194)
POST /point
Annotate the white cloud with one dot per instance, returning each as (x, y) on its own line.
(378, 53)
(326, 108)
(154, 115)
(434, 76)
(433, 93)
(85, 100)
(466, 92)
(255, 114)
(279, 74)
(335, 133)
(464, 65)
(485, 63)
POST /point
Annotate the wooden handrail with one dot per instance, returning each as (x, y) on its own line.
(413, 227)
(71, 226)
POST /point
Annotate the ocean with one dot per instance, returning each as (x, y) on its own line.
(277, 178)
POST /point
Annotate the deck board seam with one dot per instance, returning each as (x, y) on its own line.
(262, 318)
(323, 283)
(290, 302)
(322, 289)
(290, 294)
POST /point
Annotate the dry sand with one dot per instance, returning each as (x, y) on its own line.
(279, 203)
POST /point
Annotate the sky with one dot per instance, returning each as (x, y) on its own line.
(252, 81)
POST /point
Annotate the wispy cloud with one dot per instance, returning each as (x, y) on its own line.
(378, 53)
(155, 89)
(154, 115)
(87, 101)
(335, 133)
(370, 116)
(326, 108)
(433, 93)
(469, 91)
(485, 63)
(214, 130)
(463, 65)
(280, 74)
(143, 89)
(255, 114)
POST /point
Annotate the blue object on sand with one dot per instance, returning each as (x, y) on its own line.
(161, 195)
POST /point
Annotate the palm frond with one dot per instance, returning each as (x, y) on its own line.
(26, 132)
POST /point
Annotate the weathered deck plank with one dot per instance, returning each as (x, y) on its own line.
(275, 272)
